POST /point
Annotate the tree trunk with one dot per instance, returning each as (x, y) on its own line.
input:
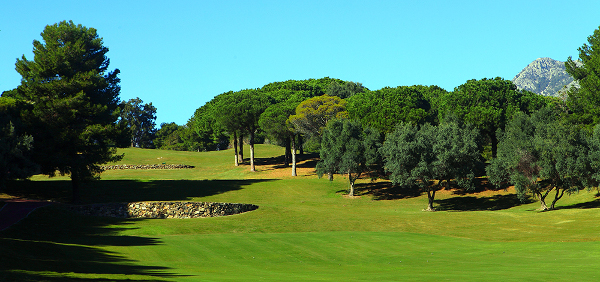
(241, 151)
(430, 197)
(288, 151)
(293, 145)
(351, 194)
(235, 148)
(330, 176)
(75, 182)
(301, 144)
(543, 206)
(557, 197)
(252, 168)
(494, 140)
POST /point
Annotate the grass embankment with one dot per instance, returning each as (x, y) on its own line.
(305, 229)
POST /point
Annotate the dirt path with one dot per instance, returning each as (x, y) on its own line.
(16, 209)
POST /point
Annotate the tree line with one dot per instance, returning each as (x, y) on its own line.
(66, 117)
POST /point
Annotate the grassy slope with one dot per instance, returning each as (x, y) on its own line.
(305, 229)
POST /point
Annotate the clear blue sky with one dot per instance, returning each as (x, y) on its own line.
(180, 54)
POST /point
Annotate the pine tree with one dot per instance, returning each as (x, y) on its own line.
(74, 102)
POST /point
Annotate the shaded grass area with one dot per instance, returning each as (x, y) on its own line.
(129, 190)
(56, 245)
(305, 229)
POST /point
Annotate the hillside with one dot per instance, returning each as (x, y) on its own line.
(544, 76)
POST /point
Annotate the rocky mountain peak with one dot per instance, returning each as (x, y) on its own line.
(544, 76)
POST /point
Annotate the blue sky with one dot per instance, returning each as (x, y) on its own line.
(180, 54)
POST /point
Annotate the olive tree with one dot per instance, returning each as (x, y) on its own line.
(432, 157)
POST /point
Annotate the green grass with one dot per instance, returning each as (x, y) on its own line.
(304, 230)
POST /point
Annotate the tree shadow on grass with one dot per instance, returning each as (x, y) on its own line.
(481, 184)
(587, 205)
(384, 190)
(105, 191)
(471, 203)
(303, 161)
(53, 244)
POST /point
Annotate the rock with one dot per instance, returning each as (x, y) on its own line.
(152, 166)
(162, 209)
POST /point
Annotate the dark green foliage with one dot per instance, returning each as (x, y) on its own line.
(489, 104)
(171, 136)
(74, 102)
(239, 112)
(347, 148)
(385, 108)
(139, 119)
(541, 154)
(584, 102)
(274, 122)
(432, 157)
(210, 134)
(15, 145)
(594, 154)
(307, 88)
(345, 90)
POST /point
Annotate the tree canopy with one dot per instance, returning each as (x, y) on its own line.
(239, 112)
(348, 148)
(432, 157)
(15, 144)
(539, 154)
(74, 102)
(140, 119)
(489, 104)
(313, 114)
(584, 102)
(385, 108)
(345, 90)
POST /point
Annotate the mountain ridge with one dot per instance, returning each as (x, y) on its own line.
(544, 76)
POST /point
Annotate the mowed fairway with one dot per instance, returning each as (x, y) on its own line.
(304, 230)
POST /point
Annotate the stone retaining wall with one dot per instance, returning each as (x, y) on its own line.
(151, 166)
(163, 209)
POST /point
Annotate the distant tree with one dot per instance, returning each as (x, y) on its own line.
(168, 137)
(15, 145)
(74, 102)
(385, 108)
(489, 104)
(274, 122)
(140, 119)
(227, 118)
(432, 157)
(211, 134)
(239, 112)
(345, 90)
(347, 148)
(584, 102)
(541, 154)
(313, 114)
(253, 104)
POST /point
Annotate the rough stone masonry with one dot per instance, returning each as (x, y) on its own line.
(163, 209)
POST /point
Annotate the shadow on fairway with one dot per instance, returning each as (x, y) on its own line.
(302, 161)
(471, 203)
(587, 205)
(52, 244)
(384, 191)
(104, 191)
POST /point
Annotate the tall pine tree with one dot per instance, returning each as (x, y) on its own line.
(74, 102)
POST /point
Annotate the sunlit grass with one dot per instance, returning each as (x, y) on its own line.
(305, 229)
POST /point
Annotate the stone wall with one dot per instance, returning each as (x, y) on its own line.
(151, 166)
(163, 209)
